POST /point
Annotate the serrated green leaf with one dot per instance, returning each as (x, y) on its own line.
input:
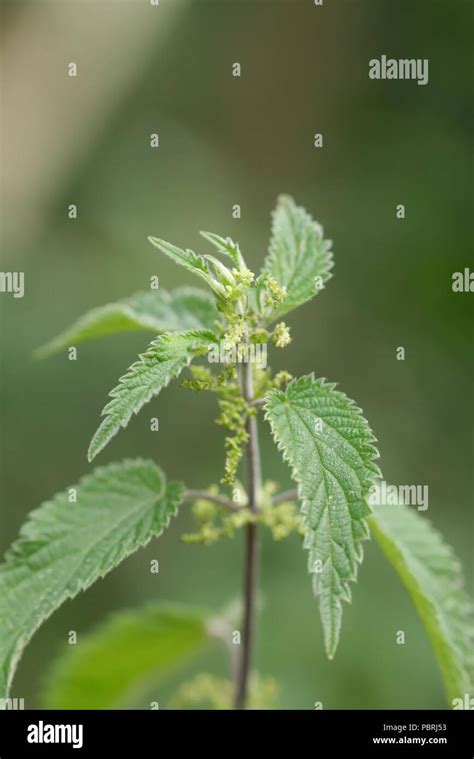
(433, 577)
(331, 451)
(226, 246)
(182, 309)
(66, 546)
(164, 359)
(106, 668)
(224, 274)
(187, 258)
(299, 257)
(192, 261)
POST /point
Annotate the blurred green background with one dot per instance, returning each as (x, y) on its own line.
(225, 140)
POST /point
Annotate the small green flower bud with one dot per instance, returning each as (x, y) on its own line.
(204, 511)
(281, 335)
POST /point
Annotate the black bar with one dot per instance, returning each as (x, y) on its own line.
(144, 734)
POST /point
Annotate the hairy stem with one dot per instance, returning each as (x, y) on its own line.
(254, 488)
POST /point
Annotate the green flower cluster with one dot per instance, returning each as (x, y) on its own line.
(244, 304)
(281, 335)
(264, 382)
(216, 522)
(209, 692)
(234, 412)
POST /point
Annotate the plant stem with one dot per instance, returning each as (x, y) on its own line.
(221, 500)
(288, 495)
(254, 488)
(257, 403)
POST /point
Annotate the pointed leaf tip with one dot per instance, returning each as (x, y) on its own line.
(163, 360)
(299, 258)
(329, 446)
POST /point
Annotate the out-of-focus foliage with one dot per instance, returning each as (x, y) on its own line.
(432, 575)
(110, 665)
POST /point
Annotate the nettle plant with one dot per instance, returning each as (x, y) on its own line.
(83, 533)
